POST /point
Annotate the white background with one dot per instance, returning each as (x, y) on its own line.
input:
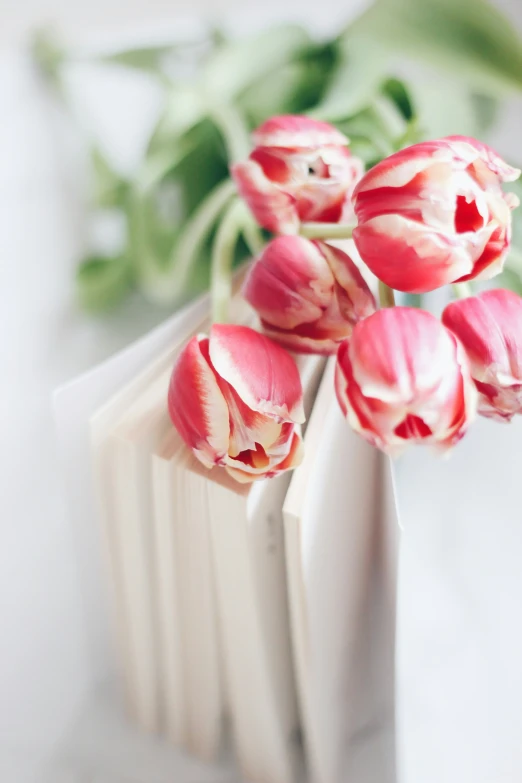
(44, 670)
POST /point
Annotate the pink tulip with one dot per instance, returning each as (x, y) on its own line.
(300, 170)
(489, 327)
(235, 398)
(309, 295)
(403, 378)
(435, 213)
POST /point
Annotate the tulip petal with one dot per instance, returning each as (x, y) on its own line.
(316, 342)
(273, 208)
(290, 284)
(489, 326)
(196, 405)
(470, 151)
(354, 297)
(289, 130)
(262, 373)
(403, 378)
(408, 256)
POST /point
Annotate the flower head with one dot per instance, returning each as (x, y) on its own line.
(403, 378)
(434, 213)
(300, 170)
(235, 398)
(489, 326)
(309, 295)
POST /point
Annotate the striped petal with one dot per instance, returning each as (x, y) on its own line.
(408, 256)
(262, 373)
(292, 131)
(196, 405)
(272, 207)
(291, 283)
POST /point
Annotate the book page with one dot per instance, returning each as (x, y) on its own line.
(340, 617)
(73, 406)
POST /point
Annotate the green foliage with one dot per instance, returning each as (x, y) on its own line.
(102, 282)
(403, 71)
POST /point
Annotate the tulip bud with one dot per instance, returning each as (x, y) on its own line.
(235, 398)
(299, 170)
(489, 326)
(434, 213)
(403, 378)
(309, 295)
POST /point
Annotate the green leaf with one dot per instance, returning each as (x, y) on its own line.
(184, 108)
(109, 188)
(299, 86)
(396, 90)
(442, 107)
(102, 282)
(235, 65)
(510, 279)
(355, 81)
(145, 58)
(470, 38)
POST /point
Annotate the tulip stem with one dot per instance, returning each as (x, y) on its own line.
(326, 230)
(222, 261)
(462, 290)
(386, 295)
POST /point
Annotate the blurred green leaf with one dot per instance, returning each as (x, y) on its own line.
(299, 86)
(442, 106)
(234, 66)
(109, 188)
(144, 58)
(396, 90)
(509, 278)
(470, 38)
(184, 108)
(101, 282)
(355, 81)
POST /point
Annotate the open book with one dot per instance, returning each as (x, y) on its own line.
(253, 603)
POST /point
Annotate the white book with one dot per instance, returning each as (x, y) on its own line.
(201, 610)
(248, 544)
(125, 432)
(342, 621)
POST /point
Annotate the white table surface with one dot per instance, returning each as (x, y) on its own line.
(53, 728)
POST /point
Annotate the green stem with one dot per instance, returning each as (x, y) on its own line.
(386, 295)
(194, 234)
(253, 235)
(326, 230)
(232, 127)
(223, 258)
(462, 290)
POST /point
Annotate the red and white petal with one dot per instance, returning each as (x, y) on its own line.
(263, 374)
(400, 353)
(247, 427)
(356, 301)
(290, 130)
(408, 256)
(470, 150)
(290, 283)
(399, 169)
(312, 340)
(490, 328)
(294, 457)
(272, 207)
(196, 405)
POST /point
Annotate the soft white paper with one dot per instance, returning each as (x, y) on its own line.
(74, 405)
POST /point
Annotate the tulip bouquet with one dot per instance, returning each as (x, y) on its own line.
(429, 215)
